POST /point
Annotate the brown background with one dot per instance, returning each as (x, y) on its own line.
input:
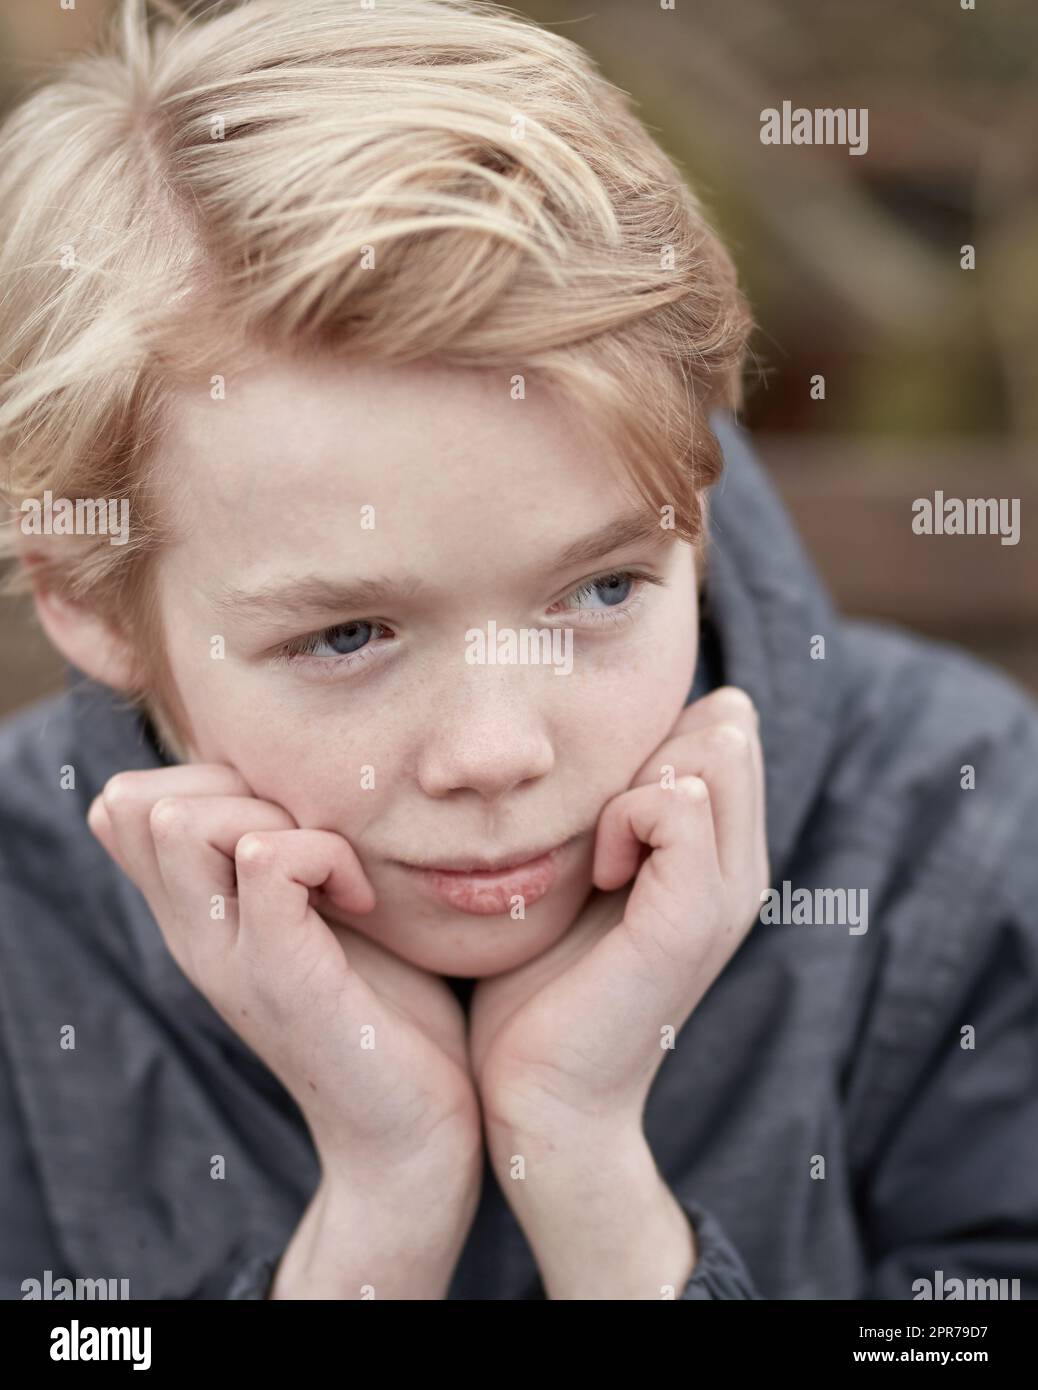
(851, 264)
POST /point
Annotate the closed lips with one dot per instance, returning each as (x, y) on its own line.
(489, 892)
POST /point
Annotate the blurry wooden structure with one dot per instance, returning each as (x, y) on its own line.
(852, 502)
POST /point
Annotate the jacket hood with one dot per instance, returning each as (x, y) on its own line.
(764, 605)
(807, 1042)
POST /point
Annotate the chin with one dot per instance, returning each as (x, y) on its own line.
(473, 947)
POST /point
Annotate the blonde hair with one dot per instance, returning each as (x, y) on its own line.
(422, 179)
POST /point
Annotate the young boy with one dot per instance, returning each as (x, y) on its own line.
(462, 866)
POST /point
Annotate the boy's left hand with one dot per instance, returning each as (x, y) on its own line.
(565, 1048)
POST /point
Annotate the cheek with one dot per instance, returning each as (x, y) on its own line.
(622, 712)
(648, 679)
(328, 773)
(607, 744)
(318, 776)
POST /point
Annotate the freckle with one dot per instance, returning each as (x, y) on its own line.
(245, 1013)
(311, 1084)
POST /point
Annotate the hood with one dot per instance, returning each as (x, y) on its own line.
(764, 603)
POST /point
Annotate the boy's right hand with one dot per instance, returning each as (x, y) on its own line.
(372, 1049)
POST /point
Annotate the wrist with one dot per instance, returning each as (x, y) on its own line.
(600, 1219)
(396, 1240)
(559, 1148)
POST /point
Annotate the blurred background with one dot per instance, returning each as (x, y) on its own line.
(852, 266)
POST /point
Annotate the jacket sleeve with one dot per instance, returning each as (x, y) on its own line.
(953, 1192)
(27, 1245)
(246, 1272)
(719, 1271)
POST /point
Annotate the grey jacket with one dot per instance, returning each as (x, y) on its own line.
(846, 1112)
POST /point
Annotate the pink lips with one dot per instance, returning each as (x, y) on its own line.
(489, 892)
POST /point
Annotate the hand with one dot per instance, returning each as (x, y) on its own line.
(372, 1050)
(565, 1048)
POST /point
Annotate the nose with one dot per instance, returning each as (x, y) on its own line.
(487, 735)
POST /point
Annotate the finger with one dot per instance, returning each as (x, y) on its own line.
(722, 755)
(194, 838)
(724, 703)
(100, 825)
(727, 705)
(276, 870)
(661, 819)
(668, 926)
(730, 704)
(127, 800)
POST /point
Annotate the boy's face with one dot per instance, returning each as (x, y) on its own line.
(310, 479)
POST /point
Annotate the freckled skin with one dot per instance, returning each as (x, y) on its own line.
(476, 494)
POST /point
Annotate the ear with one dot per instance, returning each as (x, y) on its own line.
(91, 643)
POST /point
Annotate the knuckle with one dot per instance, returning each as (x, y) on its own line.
(693, 789)
(168, 815)
(119, 792)
(730, 737)
(735, 703)
(254, 852)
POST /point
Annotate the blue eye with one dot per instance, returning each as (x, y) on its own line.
(348, 646)
(613, 589)
(343, 641)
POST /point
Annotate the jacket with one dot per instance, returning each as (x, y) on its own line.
(849, 1112)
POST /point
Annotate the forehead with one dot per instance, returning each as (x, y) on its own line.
(295, 451)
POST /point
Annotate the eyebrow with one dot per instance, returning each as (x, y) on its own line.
(312, 593)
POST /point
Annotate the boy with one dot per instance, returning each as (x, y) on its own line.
(402, 906)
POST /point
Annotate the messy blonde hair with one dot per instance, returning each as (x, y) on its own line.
(434, 179)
